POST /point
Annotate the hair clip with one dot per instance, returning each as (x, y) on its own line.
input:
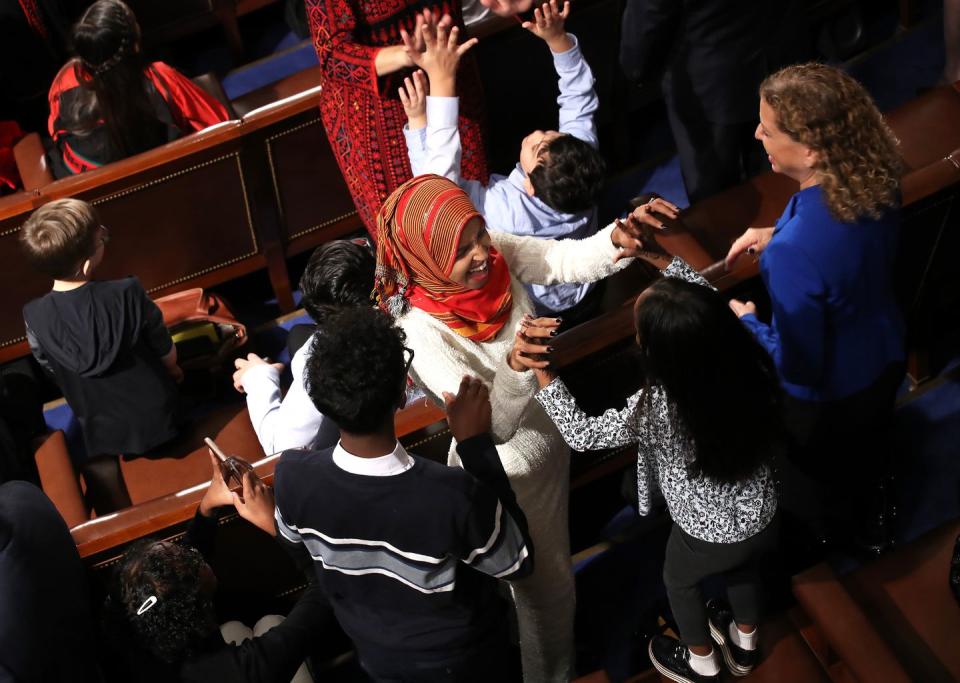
(147, 604)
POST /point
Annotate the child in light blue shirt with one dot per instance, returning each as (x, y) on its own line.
(552, 191)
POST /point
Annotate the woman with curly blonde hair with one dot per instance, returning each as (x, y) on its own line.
(836, 334)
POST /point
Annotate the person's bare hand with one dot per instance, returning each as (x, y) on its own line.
(507, 8)
(636, 235)
(176, 372)
(244, 364)
(413, 95)
(742, 308)
(257, 503)
(413, 42)
(218, 494)
(544, 376)
(752, 242)
(548, 25)
(469, 412)
(531, 346)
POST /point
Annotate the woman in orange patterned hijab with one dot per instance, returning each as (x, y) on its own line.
(423, 259)
(461, 302)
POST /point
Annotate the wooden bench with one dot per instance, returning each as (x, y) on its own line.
(237, 197)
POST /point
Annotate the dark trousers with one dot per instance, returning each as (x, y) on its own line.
(690, 560)
(499, 661)
(840, 459)
(713, 156)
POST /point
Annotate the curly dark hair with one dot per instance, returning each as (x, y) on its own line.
(858, 159)
(356, 372)
(569, 175)
(714, 372)
(339, 273)
(183, 615)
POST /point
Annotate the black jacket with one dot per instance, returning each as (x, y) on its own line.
(103, 343)
(46, 623)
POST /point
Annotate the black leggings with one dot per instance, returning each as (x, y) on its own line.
(690, 560)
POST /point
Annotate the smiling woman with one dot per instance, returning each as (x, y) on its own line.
(457, 292)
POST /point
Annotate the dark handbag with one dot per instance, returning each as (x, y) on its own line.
(203, 327)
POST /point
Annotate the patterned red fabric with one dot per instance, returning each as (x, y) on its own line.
(419, 230)
(362, 114)
(10, 135)
(190, 107)
(34, 17)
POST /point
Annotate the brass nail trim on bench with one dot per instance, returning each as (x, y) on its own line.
(953, 159)
(246, 206)
(276, 185)
(157, 181)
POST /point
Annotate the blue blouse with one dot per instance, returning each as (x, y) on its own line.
(836, 325)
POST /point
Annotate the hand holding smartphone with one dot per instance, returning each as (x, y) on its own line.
(231, 469)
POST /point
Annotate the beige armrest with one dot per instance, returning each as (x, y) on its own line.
(31, 162)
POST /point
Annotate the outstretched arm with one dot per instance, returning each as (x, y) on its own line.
(578, 100)
(582, 432)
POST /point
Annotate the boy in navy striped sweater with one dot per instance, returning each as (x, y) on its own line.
(408, 550)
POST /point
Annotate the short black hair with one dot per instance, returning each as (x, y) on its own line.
(356, 371)
(339, 273)
(569, 175)
(182, 617)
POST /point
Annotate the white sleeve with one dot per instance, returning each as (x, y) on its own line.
(442, 154)
(538, 261)
(416, 148)
(293, 422)
(439, 365)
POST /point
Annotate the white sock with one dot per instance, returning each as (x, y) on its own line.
(745, 641)
(705, 665)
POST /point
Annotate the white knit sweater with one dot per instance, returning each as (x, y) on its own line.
(533, 453)
(443, 357)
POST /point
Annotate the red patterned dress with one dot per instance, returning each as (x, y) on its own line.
(362, 113)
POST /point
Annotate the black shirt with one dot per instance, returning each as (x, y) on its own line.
(103, 343)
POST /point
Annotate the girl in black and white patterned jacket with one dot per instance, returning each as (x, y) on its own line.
(707, 425)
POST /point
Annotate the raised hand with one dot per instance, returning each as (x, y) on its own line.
(531, 349)
(413, 95)
(413, 44)
(469, 412)
(548, 25)
(507, 8)
(753, 242)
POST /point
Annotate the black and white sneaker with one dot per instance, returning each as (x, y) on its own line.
(672, 659)
(739, 661)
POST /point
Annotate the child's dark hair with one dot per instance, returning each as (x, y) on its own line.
(175, 626)
(569, 175)
(721, 380)
(59, 236)
(106, 41)
(339, 273)
(356, 371)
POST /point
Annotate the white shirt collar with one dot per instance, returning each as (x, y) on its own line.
(395, 462)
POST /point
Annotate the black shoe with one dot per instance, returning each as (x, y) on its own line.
(739, 661)
(672, 659)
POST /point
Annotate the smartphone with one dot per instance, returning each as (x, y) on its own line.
(231, 469)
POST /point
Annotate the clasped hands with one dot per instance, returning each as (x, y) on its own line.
(635, 236)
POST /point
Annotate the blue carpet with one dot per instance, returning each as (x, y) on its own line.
(272, 69)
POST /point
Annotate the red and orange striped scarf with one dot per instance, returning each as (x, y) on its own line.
(418, 232)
